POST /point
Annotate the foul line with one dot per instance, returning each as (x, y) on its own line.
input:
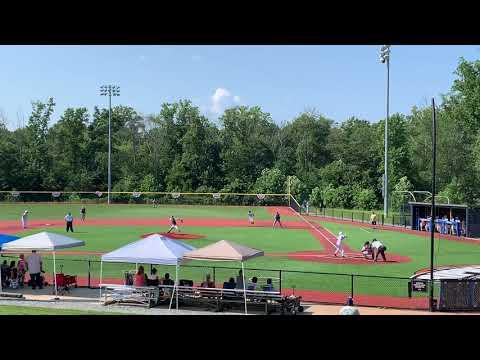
(315, 228)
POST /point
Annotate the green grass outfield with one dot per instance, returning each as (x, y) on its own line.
(13, 211)
(105, 238)
(33, 310)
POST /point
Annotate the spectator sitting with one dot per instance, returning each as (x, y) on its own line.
(5, 269)
(140, 277)
(207, 283)
(253, 284)
(239, 280)
(269, 286)
(367, 250)
(230, 284)
(167, 280)
(14, 278)
(152, 279)
(22, 269)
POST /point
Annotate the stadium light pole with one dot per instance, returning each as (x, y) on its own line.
(432, 224)
(385, 58)
(109, 90)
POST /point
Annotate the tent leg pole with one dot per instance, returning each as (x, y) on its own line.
(101, 274)
(55, 274)
(244, 290)
(176, 282)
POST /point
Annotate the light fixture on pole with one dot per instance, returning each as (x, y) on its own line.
(109, 90)
(385, 58)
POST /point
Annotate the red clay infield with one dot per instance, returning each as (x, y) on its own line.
(326, 238)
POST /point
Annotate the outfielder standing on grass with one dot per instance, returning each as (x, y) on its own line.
(339, 245)
(69, 221)
(277, 220)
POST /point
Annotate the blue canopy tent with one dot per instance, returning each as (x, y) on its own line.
(5, 238)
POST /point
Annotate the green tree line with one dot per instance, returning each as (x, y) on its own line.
(179, 149)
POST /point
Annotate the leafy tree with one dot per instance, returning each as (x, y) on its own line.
(364, 199)
(399, 196)
(339, 197)
(246, 143)
(298, 189)
(271, 181)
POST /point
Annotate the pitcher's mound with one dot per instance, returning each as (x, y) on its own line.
(180, 236)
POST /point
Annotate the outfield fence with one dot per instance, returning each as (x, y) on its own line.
(148, 198)
(401, 220)
(314, 287)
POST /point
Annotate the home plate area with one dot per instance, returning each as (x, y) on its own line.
(350, 258)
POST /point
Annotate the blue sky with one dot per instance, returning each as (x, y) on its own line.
(338, 81)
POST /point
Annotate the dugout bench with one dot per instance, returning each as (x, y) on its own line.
(223, 299)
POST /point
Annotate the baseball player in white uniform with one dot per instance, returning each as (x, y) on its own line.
(338, 245)
(24, 219)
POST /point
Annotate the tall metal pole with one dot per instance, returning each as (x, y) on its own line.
(109, 144)
(432, 224)
(385, 176)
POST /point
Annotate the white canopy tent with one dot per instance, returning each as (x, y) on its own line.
(154, 249)
(224, 250)
(43, 241)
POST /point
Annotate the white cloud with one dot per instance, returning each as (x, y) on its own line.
(222, 99)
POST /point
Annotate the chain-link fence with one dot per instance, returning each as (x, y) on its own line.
(315, 287)
(403, 220)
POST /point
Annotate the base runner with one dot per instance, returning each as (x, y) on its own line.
(338, 245)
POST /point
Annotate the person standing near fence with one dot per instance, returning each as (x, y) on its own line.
(34, 267)
(24, 219)
(339, 245)
(69, 221)
(373, 218)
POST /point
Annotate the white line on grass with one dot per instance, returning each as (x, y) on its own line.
(308, 222)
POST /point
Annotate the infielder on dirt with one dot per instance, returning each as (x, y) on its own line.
(339, 245)
(24, 219)
(277, 220)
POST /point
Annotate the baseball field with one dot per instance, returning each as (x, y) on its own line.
(298, 257)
